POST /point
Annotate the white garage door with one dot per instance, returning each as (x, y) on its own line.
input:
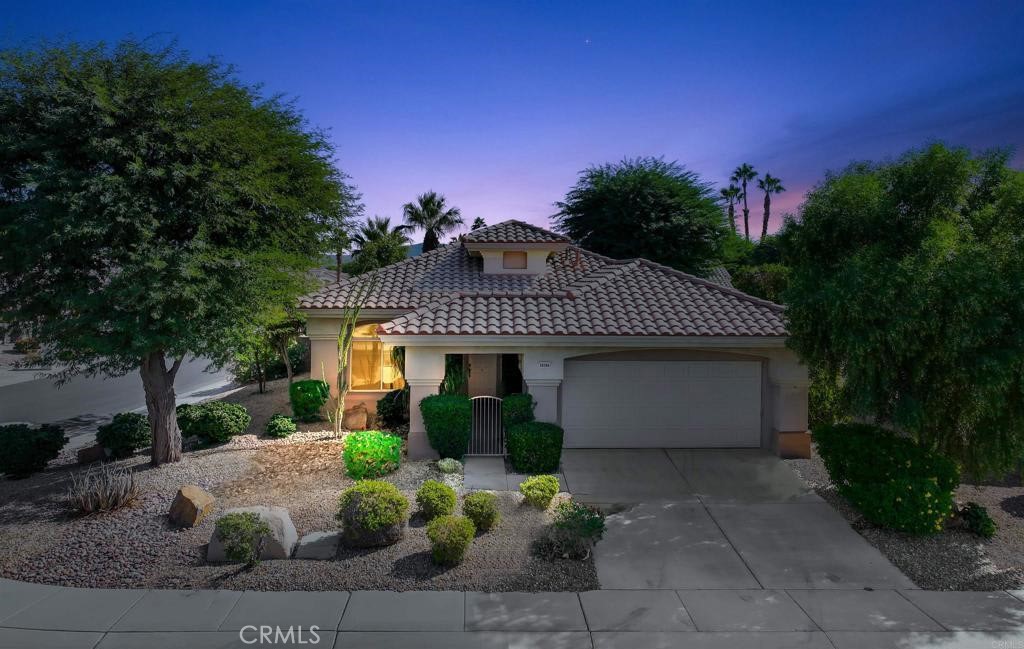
(679, 404)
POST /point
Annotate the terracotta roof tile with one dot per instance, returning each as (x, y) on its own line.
(514, 232)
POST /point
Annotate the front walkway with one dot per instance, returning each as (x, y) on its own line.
(48, 616)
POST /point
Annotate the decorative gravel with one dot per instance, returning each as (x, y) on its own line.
(952, 560)
(134, 547)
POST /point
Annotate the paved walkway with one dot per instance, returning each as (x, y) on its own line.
(33, 615)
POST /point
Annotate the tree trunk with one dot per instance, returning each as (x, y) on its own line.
(732, 217)
(430, 241)
(746, 213)
(337, 269)
(767, 210)
(158, 383)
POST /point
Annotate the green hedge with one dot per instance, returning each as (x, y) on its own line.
(516, 409)
(307, 398)
(371, 454)
(534, 447)
(127, 433)
(214, 421)
(891, 480)
(448, 419)
(25, 449)
(393, 408)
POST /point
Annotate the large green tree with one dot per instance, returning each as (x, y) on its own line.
(149, 206)
(645, 207)
(431, 213)
(907, 279)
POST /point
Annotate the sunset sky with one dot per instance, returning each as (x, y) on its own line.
(499, 105)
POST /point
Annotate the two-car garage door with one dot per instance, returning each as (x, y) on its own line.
(680, 404)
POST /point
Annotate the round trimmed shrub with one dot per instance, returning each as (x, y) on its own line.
(534, 447)
(977, 520)
(450, 537)
(308, 397)
(435, 499)
(481, 507)
(214, 421)
(371, 454)
(25, 450)
(127, 433)
(448, 419)
(243, 535)
(539, 490)
(280, 426)
(516, 409)
(372, 513)
(448, 465)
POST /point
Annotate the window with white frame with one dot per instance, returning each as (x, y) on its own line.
(372, 368)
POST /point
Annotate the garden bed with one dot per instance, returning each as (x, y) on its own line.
(136, 547)
(954, 559)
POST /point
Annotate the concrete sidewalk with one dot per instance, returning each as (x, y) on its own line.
(33, 615)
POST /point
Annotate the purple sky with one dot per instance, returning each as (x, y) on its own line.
(500, 105)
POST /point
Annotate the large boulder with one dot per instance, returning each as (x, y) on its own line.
(276, 545)
(90, 454)
(356, 418)
(318, 545)
(190, 506)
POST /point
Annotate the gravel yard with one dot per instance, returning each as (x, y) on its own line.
(954, 559)
(135, 547)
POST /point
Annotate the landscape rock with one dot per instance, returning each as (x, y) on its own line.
(90, 454)
(318, 545)
(277, 545)
(190, 506)
(356, 418)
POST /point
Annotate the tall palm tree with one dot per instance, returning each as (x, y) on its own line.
(769, 185)
(376, 228)
(743, 174)
(731, 194)
(431, 212)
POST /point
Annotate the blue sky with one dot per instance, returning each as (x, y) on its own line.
(499, 105)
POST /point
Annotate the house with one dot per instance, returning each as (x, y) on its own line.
(620, 353)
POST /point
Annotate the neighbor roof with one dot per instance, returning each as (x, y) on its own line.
(582, 293)
(513, 232)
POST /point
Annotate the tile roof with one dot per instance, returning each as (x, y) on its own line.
(582, 293)
(513, 232)
(719, 275)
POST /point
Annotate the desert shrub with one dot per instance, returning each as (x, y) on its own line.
(393, 408)
(891, 480)
(534, 447)
(25, 449)
(574, 532)
(371, 454)
(243, 535)
(307, 398)
(481, 507)
(435, 499)
(539, 490)
(450, 537)
(280, 426)
(516, 409)
(102, 489)
(977, 520)
(127, 433)
(26, 345)
(448, 419)
(215, 421)
(372, 513)
(448, 465)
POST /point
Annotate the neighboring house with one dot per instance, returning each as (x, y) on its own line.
(620, 353)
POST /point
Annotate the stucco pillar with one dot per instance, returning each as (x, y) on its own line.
(787, 392)
(542, 373)
(424, 371)
(323, 350)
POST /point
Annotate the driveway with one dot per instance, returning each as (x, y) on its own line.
(718, 519)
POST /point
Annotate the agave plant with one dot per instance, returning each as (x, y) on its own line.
(101, 489)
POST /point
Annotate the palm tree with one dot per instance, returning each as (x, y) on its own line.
(478, 223)
(731, 194)
(375, 229)
(431, 213)
(742, 174)
(770, 185)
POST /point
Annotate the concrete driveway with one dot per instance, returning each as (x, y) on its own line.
(717, 519)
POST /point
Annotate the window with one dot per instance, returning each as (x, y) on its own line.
(372, 368)
(513, 260)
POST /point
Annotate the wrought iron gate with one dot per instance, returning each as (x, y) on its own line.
(488, 436)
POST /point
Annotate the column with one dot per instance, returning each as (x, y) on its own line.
(542, 373)
(323, 350)
(424, 371)
(787, 391)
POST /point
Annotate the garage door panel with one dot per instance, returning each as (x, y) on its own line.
(629, 404)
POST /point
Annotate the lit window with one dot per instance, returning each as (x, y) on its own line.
(513, 260)
(372, 367)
